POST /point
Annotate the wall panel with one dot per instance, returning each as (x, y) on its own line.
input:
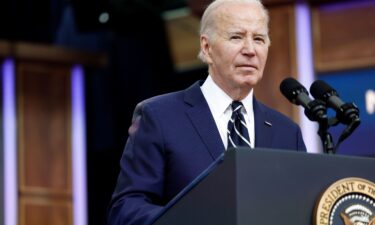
(44, 138)
(40, 112)
(344, 35)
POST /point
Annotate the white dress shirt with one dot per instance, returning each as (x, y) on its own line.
(219, 103)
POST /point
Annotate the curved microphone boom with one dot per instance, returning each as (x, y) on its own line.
(297, 94)
(346, 112)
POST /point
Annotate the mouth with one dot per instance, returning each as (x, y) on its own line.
(247, 67)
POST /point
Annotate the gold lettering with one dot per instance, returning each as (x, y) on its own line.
(347, 187)
(328, 202)
(339, 190)
(325, 207)
(371, 190)
(324, 215)
(351, 185)
(334, 194)
(361, 187)
(323, 222)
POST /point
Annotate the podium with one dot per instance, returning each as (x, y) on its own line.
(262, 186)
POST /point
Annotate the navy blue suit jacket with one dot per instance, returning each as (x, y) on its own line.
(174, 138)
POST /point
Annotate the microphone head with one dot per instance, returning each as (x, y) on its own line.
(321, 90)
(290, 88)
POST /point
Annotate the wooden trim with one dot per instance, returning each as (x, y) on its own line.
(5, 49)
(293, 55)
(316, 38)
(45, 53)
(345, 65)
(51, 54)
(45, 193)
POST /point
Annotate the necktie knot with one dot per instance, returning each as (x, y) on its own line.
(236, 106)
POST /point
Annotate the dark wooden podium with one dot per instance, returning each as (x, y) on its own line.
(262, 186)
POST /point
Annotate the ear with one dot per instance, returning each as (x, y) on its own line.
(206, 48)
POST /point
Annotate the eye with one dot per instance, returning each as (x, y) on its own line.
(261, 40)
(235, 37)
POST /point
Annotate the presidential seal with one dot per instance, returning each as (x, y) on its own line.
(350, 201)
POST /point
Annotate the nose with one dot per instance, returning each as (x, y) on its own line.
(248, 47)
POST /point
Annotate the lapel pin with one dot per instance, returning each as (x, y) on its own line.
(268, 123)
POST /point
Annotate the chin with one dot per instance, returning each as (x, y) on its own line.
(251, 81)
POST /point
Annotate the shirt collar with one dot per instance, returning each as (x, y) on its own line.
(219, 101)
(248, 102)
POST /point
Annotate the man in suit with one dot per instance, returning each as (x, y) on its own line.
(174, 137)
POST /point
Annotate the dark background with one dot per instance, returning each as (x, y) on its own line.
(139, 66)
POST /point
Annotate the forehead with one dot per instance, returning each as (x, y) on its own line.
(237, 14)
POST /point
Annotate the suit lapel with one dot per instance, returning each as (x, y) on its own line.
(263, 126)
(201, 117)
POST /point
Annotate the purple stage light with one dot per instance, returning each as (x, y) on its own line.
(305, 68)
(10, 143)
(79, 147)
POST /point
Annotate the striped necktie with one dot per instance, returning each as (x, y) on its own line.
(237, 130)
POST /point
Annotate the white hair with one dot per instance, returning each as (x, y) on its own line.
(207, 25)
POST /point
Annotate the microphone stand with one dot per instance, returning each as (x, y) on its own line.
(326, 137)
(317, 111)
(349, 116)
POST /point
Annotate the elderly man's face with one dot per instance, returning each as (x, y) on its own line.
(238, 51)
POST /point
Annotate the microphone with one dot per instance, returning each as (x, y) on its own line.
(346, 113)
(297, 94)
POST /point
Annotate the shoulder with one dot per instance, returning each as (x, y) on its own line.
(159, 102)
(171, 102)
(168, 100)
